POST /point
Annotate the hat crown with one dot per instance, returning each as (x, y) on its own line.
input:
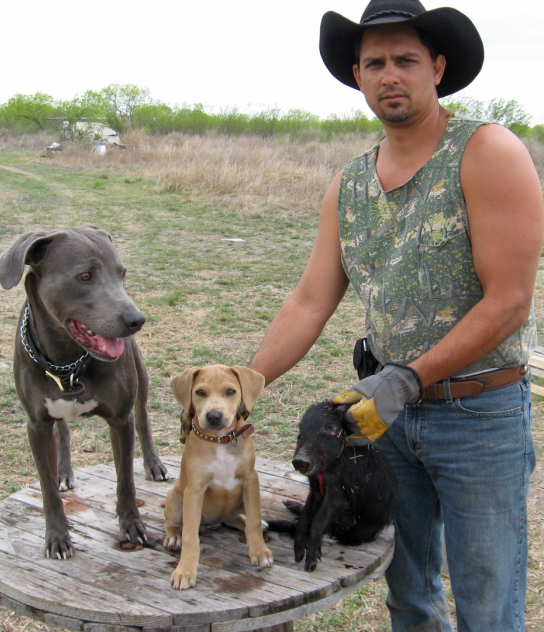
(378, 9)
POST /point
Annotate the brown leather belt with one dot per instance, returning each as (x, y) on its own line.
(469, 386)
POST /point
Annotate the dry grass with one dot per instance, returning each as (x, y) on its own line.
(247, 172)
(208, 298)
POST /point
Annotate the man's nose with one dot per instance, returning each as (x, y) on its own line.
(390, 75)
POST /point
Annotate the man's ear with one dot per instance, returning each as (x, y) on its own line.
(439, 69)
(357, 75)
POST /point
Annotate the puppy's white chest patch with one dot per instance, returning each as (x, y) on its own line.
(68, 410)
(224, 468)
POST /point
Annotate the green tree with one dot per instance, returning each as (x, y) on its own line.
(91, 106)
(508, 113)
(27, 112)
(154, 118)
(122, 101)
(538, 133)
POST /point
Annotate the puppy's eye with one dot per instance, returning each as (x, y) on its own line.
(230, 392)
(85, 277)
(200, 393)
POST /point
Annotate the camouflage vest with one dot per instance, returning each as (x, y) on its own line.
(407, 253)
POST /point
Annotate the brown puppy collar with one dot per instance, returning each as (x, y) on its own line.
(244, 431)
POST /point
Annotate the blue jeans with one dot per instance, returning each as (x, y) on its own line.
(462, 465)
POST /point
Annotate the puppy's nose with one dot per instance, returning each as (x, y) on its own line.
(133, 321)
(214, 417)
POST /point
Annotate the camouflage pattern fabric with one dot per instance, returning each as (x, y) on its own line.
(408, 255)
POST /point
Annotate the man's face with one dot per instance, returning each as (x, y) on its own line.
(396, 73)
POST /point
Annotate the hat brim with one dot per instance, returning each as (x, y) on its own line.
(454, 35)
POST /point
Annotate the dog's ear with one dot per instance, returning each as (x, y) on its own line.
(29, 248)
(252, 384)
(93, 228)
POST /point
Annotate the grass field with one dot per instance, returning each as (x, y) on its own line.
(173, 205)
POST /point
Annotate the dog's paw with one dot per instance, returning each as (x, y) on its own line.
(262, 557)
(66, 477)
(132, 531)
(172, 542)
(58, 547)
(65, 484)
(155, 470)
(182, 579)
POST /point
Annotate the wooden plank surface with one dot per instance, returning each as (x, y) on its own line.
(103, 589)
(536, 362)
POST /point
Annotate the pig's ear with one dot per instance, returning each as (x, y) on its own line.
(343, 408)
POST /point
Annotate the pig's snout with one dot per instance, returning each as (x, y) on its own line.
(302, 462)
(301, 466)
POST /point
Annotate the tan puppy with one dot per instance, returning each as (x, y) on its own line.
(218, 480)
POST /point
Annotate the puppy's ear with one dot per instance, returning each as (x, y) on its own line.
(252, 384)
(181, 386)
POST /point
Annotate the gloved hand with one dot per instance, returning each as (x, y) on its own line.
(378, 400)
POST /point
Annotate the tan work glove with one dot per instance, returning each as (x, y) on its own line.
(378, 400)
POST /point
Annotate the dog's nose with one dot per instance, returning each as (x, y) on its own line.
(133, 321)
(214, 417)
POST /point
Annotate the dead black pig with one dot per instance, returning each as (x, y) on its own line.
(353, 489)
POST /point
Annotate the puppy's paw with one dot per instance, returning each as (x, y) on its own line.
(261, 557)
(183, 577)
(172, 542)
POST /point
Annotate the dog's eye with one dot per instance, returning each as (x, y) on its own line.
(200, 393)
(230, 392)
(85, 277)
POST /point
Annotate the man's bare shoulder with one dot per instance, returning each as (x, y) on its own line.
(491, 144)
(496, 157)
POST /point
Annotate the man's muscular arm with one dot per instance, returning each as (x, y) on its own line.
(505, 211)
(305, 312)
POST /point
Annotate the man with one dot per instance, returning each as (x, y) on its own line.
(439, 228)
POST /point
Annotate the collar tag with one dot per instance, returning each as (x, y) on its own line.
(55, 379)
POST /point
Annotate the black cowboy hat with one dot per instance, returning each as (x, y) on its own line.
(452, 33)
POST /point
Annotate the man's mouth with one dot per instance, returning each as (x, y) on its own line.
(392, 97)
(101, 345)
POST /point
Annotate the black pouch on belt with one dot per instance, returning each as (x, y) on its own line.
(363, 360)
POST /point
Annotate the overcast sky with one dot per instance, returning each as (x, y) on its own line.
(244, 53)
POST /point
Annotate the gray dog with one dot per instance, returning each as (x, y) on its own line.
(74, 357)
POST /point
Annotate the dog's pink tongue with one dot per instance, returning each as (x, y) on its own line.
(112, 347)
